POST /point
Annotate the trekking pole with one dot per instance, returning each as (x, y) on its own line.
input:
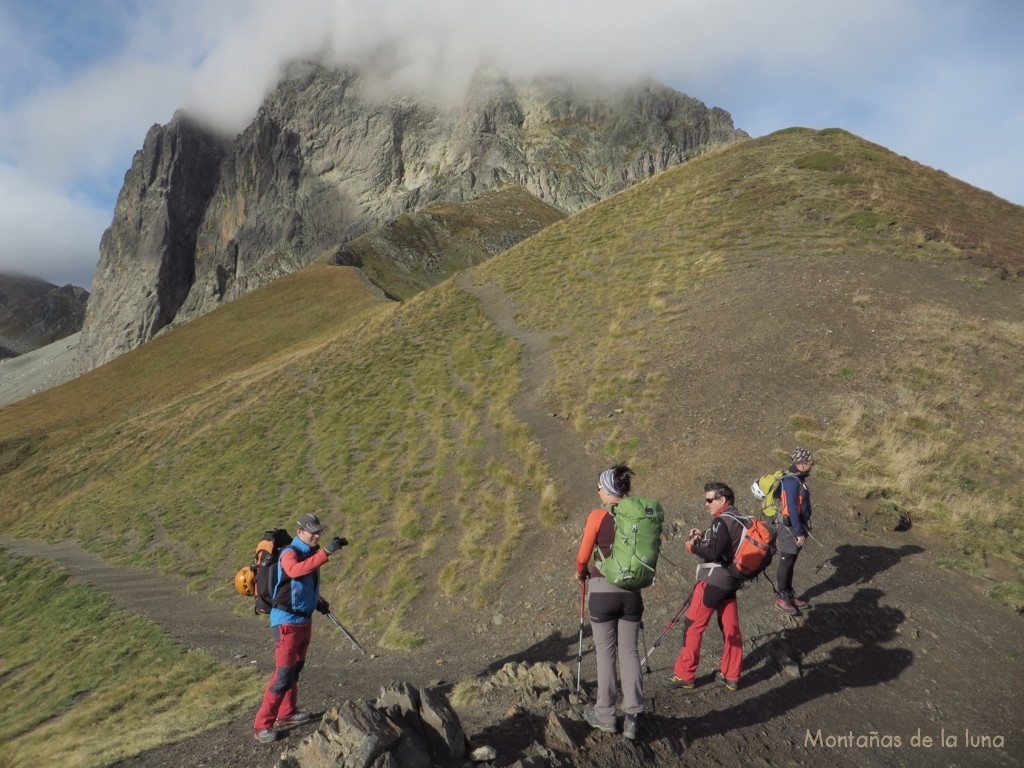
(675, 620)
(355, 643)
(809, 536)
(579, 658)
(643, 687)
(643, 644)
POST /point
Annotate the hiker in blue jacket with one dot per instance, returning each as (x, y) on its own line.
(296, 597)
(794, 528)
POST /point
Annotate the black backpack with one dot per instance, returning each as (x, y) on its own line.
(257, 580)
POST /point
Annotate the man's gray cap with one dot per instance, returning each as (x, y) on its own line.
(310, 523)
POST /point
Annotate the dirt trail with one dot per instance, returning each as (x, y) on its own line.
(895, 651)
(573, 471)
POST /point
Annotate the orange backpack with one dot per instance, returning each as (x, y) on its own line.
(755, 550)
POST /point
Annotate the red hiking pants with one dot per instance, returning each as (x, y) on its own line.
(279, 699)
(705, 602)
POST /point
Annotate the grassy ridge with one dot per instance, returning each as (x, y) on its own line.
(910, 440)
(298, 312)
(84, 683)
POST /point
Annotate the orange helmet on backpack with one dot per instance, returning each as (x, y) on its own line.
(245, 581)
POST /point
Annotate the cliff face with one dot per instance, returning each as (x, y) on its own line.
(201, 221)
(147, 256)
(34, 313)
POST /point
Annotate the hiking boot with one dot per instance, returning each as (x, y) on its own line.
(786, 607)
(295, 718)
(266, 736)
(591, 717)
(671, 681)
(732, 685)
(797, 602)
(629, 726)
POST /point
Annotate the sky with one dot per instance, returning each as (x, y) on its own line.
(938, 81)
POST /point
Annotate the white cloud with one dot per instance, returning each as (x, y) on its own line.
(46, 233)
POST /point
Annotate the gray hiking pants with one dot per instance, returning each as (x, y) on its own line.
(616, 639)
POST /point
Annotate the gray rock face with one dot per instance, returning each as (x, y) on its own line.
(147, 256)
(199, 221)
(34, 313)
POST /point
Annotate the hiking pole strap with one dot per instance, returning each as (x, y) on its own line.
(338, 624)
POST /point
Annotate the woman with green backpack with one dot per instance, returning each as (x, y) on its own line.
(615, 611)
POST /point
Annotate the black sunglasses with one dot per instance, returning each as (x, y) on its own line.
(712, 500)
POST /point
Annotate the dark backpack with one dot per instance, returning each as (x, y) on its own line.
(637, 544)
(258, 580)
(756, 549)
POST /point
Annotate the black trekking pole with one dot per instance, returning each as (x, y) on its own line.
(675, 620)
(643, 644)
(643, 686)
(579, 658)
(355, 643)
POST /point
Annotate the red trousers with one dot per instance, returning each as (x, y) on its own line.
(705, 602)
(279, 698)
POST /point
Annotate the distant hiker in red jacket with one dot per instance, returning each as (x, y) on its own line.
(615, 614)
(714, 593)
(297, 595)
(794, 527)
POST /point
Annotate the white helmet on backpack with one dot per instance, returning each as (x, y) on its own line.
(755, 489)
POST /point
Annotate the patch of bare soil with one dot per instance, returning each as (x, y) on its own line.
(898, 662)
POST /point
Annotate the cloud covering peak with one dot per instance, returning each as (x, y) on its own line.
(80, 84)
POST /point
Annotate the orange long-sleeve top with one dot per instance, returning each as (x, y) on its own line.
(296, 568)
(599, 531)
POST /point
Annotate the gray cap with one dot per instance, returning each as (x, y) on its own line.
(310, 523)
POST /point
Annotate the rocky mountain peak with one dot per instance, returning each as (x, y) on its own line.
(202, 220)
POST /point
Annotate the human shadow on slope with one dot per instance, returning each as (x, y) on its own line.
(855, 564)
(866, 663)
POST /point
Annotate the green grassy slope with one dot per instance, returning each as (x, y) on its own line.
(86, 683)
(410, 404)
(396, 421)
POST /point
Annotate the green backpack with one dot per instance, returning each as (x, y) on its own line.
(767, 488)
(637, 544)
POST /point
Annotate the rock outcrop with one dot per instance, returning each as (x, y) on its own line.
(34, 313)
(403, 727)
(525, 716)
(200, 221)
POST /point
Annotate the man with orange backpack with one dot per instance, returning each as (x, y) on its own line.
(714, 593)
(794, 527)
